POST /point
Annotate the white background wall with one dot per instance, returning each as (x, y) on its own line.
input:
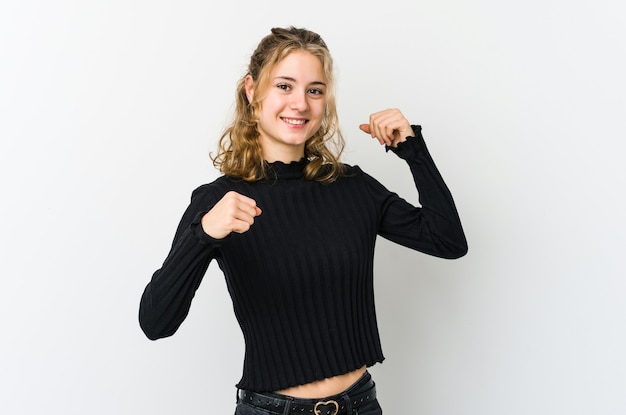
(108, 110)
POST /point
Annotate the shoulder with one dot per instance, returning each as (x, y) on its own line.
(353, 171)
(212, 190)
(343, 173)
(357, 178)
(352, 177)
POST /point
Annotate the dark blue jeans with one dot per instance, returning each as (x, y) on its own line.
(358, 399)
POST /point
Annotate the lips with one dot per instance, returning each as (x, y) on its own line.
(295, 121)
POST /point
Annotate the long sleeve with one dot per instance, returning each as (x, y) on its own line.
(434, 227)
(167, 298)
(306, 267)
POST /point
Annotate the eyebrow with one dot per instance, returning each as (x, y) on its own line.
(288, 78)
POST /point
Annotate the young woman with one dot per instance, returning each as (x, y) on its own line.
(294, 229)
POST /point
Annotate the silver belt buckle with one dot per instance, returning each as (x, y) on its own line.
(318, 411)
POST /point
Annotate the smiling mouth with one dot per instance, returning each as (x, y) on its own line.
(294, 121)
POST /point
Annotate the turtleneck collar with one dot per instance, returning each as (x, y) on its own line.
(282, 170)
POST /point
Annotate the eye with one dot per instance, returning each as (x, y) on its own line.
(284, 87)
(316, 91)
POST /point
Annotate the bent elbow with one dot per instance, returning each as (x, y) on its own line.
(149, 324)
(454, 250)
(461, 251)
(156, 325)
(458, 245)
(149, 332)
(153, 331)
(148, 328)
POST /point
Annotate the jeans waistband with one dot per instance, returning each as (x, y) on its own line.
(361, 392)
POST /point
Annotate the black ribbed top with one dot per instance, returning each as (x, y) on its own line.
(301, 279)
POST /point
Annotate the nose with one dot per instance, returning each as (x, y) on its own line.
(298, 101)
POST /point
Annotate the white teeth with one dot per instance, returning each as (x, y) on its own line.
(294, 122)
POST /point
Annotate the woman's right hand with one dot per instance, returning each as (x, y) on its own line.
(233, 213)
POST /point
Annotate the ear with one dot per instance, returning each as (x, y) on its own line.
(249, 87)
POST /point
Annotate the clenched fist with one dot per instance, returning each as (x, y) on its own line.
(233, 213)
(389, 127)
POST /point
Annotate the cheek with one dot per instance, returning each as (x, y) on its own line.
(317, 106)
(319, 109)
(272, 105)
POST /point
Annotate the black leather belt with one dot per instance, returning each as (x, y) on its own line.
(343, 403)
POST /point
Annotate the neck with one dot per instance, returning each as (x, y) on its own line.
(285, 154)
(284, 158)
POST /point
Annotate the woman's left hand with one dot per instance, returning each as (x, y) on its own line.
(389, 127)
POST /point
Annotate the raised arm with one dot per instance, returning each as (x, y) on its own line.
(434, 227)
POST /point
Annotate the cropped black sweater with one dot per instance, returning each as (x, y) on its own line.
(301, 279)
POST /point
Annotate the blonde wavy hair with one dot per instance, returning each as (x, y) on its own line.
(239, 150)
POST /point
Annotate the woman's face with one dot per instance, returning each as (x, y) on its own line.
(293, 106)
